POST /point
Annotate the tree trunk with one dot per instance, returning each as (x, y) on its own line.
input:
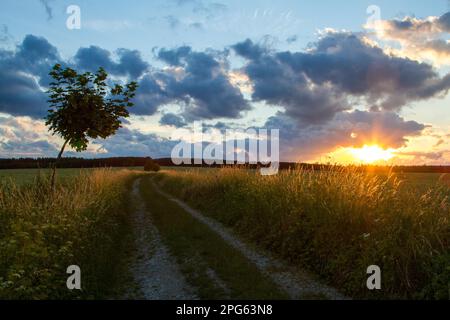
(56, 164)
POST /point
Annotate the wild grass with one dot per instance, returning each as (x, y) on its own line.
(43, 232)
(335, 223)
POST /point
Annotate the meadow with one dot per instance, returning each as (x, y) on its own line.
(336, 223)
(43, 231)
(27, 176)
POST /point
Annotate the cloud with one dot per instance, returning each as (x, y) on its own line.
(420, 39)
(318, 91)
(5, 36)
(110, 25)
(171, 119)
(133, 142)
(420, 156)
(25, 137)
(347, 129)
(174, 56)
(291, 39)
(196, 80)
(337, 72)
(130, 62)
(23, 73)
(207, 8)
(21, 95)
(48, 8)
(150, 95)
(202, 84)
(173, 21)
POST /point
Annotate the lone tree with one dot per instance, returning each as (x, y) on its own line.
(84, 106)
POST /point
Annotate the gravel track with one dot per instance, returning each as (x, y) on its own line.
(297, 284)
(154, 269)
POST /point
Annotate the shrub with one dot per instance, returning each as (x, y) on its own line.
(151, 165)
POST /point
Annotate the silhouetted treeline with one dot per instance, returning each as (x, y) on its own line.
(30, 163)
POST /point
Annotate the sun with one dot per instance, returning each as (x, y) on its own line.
(371, 154)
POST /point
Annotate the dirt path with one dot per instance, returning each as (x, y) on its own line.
(298, 285)
(154, 270)
(157, 275)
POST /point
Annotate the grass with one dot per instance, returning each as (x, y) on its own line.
(26, 176)
(42, 233)
(335, 223)
(216, 269)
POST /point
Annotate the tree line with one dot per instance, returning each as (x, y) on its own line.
(74, 162)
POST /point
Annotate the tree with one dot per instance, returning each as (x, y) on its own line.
(84, 106)
(151, 165)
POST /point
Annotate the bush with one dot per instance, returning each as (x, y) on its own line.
(151, 165)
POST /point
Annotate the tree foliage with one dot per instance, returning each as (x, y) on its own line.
(84, 106)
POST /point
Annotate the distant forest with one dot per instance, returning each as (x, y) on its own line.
(29, 163)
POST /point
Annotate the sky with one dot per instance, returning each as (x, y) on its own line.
(343, 81)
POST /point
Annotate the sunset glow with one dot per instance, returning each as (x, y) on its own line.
(371, 154)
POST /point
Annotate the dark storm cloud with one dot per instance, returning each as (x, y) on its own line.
(22, 73)
(347, 129)
(444, 22)
(20, 95)
(171, 119)
(249, 50)
(149, 96)
(385, 129)
(174, 56)
(27, 148)
(315, 85)
(203, 85)
(130, 62)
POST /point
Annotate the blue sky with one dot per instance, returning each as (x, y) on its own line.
(143, 25)
(316, 121)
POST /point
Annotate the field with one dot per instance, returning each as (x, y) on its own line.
(44, 231)
(24, 176)
(330, 224)
(336, 223)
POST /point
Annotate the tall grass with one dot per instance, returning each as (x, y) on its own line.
(335, 222)
(43, 232)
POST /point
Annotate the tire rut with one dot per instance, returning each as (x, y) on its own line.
(297, 284)
(154, 270)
